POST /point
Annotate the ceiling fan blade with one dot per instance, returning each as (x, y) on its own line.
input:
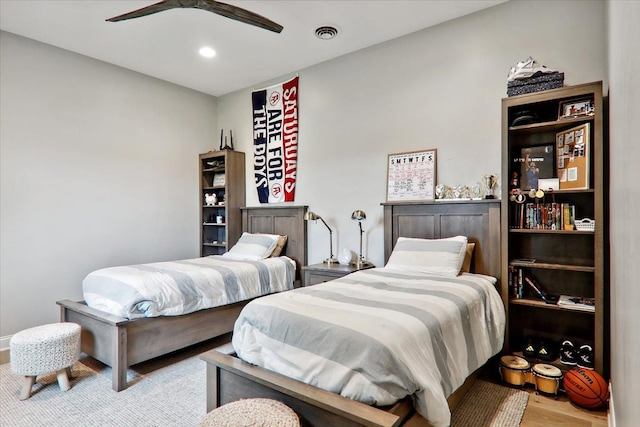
(223, 9)
(148, 10)
(239, 14)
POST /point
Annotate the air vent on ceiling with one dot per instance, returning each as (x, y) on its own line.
(326, 32)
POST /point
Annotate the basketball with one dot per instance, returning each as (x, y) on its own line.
(586, 388)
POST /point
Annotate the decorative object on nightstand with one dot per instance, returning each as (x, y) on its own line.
(345, 256)
(311, 216)
(360, 216)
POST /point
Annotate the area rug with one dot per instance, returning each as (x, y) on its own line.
(170, 391)
(490, 405)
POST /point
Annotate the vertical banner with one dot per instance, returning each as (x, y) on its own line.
(275, 141)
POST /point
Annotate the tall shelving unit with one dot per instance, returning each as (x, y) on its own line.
(567, 261)
(221, 173)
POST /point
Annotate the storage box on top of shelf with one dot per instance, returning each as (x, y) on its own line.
(535, 84)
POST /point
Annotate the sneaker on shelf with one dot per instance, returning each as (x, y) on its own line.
(568, 353)
(546, 351)
(528, 68)
(530, 349)
(585, 357)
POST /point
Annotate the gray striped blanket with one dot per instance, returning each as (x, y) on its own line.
(179, 287)
(378, 335)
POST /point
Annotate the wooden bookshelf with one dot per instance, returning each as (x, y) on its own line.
(222, 174)
(567, 262)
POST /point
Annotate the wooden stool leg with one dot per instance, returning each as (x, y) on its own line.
(27, 385)
(63, 380)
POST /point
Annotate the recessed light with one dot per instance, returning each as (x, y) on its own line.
(326, 32)
(207, 52)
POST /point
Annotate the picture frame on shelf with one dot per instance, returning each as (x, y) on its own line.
(411, 175)
(572, 157)
(575, 108)
(534, 163)
(218, 180)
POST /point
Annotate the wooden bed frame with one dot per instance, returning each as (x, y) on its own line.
(230, 379)
(119, 342)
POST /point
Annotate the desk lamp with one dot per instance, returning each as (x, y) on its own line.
(310, 216)
(360, 216)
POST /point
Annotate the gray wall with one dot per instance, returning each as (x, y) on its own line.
(624, 96)
(437, 88)
(98, 168)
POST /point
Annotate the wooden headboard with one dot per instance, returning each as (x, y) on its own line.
(478, 220)
(282, 220)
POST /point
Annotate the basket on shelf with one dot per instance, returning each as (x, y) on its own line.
(585, 224)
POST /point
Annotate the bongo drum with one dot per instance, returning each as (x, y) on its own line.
(547, 378)
(514, 370)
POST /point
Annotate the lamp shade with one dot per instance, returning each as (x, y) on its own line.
(311, 216)
(358, 215)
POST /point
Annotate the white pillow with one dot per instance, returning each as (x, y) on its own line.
(241, 257)
(442, 257)
(253, 246)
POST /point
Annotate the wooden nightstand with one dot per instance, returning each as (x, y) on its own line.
(319, 273)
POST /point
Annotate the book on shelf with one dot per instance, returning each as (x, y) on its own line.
(577, 303)
(518, 280)
(515, 282)
(544, 216)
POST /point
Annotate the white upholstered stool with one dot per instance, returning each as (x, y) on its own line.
(252, 412)
(42, 349)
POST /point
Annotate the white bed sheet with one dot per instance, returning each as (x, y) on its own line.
(378, 335)
(174, 288)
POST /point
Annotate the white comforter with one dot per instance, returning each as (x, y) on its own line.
(378, 335)
(179, 287)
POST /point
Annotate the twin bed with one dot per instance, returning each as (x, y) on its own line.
(377, 335)
(128, 337)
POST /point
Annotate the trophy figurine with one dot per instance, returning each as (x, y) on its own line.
(490, 182)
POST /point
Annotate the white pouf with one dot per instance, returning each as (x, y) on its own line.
(252, 412)
(42, 349)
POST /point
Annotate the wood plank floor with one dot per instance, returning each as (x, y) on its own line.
(546, 411)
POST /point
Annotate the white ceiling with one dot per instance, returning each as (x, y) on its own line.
(165, 45)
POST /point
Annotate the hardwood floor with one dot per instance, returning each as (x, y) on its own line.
(546, 411)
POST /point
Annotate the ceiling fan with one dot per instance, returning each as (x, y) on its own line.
(224, 9)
